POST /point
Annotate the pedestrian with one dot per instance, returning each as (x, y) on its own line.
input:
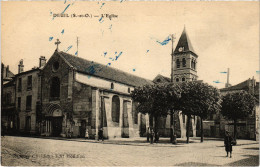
(100, 134)
(86, 134)
(148, 134)
(156, 138)
(151, 136)
(228, 143)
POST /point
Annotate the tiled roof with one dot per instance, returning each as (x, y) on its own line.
(184, 41)
(240, 86)
(102, 71)
(161, 78)
(243, 86)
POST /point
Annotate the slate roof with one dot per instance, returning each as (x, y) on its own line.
(242, 86)
(103, 71)
(184, 41)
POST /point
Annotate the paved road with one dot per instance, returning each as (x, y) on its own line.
(76, 152)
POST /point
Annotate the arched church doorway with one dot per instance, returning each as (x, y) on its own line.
(56, 122)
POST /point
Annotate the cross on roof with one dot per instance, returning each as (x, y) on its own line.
(57, 43)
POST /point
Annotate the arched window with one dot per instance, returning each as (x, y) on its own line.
(115, 109)
(183, 62)
(112, 85)
(55, 88)
(178, 63)
(183, 79)
(192, 63)
(177, 80)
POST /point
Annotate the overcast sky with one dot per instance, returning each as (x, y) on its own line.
(223, 34)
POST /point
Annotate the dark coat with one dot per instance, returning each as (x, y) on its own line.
(228, 143)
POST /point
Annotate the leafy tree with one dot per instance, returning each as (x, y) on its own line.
(237, 105)
(198, 99)
(156, 100)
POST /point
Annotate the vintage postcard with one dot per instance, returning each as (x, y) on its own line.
(129, 83)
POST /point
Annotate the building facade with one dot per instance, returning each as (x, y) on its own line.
(8, 110)
(80, 95)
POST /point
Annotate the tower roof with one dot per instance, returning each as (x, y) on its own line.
(184, 41)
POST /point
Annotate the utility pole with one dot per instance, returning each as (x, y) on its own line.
(172, 133)
(78, 46)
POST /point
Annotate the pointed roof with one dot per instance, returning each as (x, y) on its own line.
(184, 41)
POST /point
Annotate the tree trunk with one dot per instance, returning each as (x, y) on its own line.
(201, 130)
(188, 128)
(155, 127)
(235, 129)
(171, 129)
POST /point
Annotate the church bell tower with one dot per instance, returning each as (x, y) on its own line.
(184, 60)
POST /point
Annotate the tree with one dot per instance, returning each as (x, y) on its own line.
(198, 99)
(156, 100)
(237, 105)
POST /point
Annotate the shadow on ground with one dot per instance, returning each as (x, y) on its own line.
(252, 160)
(194, 164)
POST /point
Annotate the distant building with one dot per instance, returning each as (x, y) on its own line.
(247, 128)
(8, 111)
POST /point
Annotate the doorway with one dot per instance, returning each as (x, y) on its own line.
(56, 126)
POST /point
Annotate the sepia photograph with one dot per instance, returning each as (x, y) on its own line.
(130, 83)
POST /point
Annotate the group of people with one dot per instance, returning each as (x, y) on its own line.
(152, 136)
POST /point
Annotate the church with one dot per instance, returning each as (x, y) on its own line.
(69, 95)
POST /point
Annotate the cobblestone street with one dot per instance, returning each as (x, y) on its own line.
(27, 151)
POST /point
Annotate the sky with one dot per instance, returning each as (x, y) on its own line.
(223, 34)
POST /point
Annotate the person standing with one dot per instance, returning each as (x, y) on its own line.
(100, 134)
(228, 143)
(148, 134)
(151, 136)
(86, 135)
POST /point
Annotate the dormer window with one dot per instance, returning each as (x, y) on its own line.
(183, 79)
(177, 80)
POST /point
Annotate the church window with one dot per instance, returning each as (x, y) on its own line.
(55, 66)
(134, 112)
(115, 109)
(183, 62)
(55, 88)
(177, 79)
(191, 63)
(178, 63)
(112, 85)
(183, 79)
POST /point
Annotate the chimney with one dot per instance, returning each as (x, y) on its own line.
(42, 61)
(7, 70)
(20, 66)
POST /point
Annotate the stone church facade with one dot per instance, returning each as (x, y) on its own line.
(80, 95)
